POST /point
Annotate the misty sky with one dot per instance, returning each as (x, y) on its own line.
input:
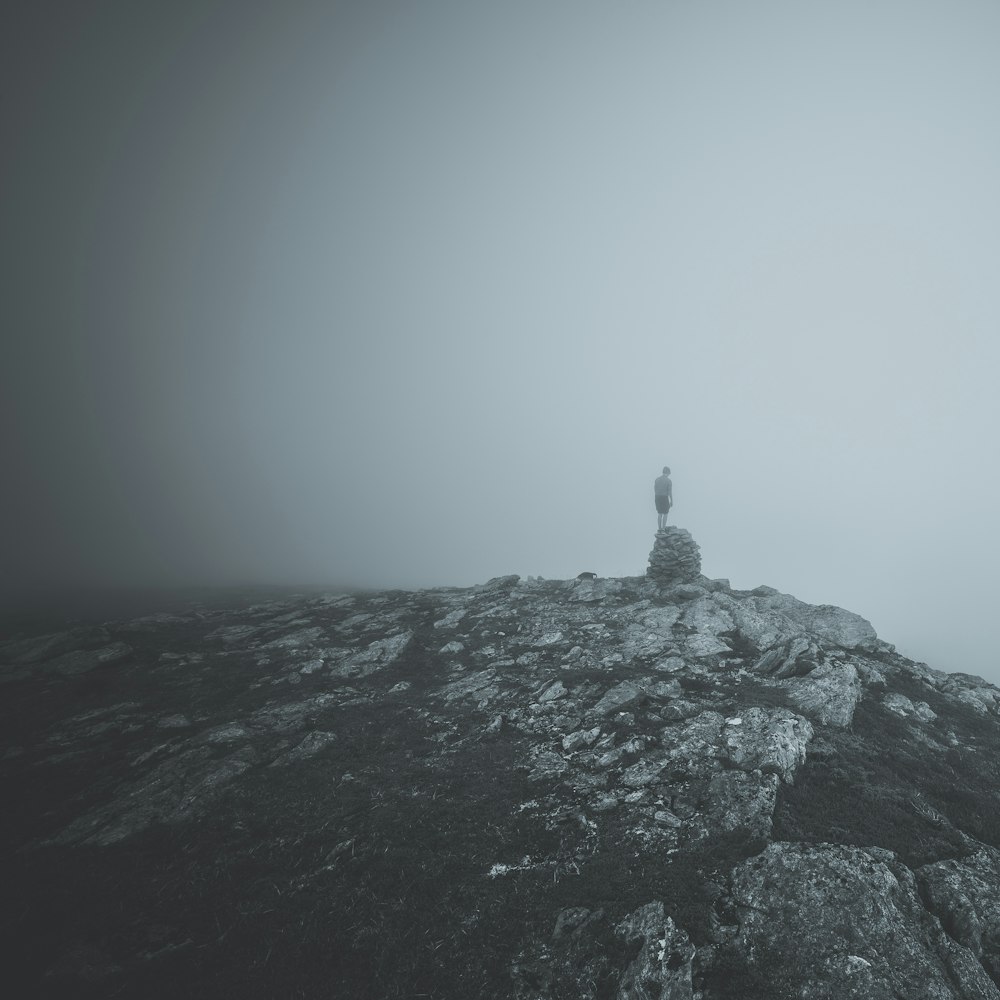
(419, 293)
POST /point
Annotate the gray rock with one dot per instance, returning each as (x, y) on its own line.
(548, 639)
(737, 800)
(296, 639)
(794, 657)
(617, 698)
(829, 694)
(662, 967)
(376, 656)
(965, 895)
(679, 710)
(547, 764)
(838, 922)
(479, 685)
(667, 818)
(451, 619)
(770, 740)
(580, 739)
(644, 772)
(592, 591)
(552, 692)
(228, 732)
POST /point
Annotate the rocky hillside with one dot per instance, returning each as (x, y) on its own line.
(651, 787)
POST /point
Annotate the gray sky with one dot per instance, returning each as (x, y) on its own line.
(417, 293)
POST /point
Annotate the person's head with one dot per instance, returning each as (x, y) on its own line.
(666, 470)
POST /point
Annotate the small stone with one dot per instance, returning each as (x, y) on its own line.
(581, 738)
(670, 665)
(450, 620)
(618, 697)
(666, 818)
(549, 639)
(643, 773)
(553, 691)
(400, 687)
(452, 647)
(605, 803)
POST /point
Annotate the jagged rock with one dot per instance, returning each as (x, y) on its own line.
(695, 746)
(829, 694)
(791, 658)
(768, 618)
(707, 616)
(680, 709)
(965, 895)
(705, 645)
(972, 691)
(619, 697)
(592, 591)
(552, 692)
(644, 772)
(377, 656)
(773, 741)
(902, 705)
(580, 739)
(836, 921)
(675, 557)
(309, 746)
(294, 640)
(662, 968)
(451, 619)
(480, 685)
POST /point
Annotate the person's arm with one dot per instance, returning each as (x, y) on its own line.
(670, 494)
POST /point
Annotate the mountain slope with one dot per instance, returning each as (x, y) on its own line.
(609, 788)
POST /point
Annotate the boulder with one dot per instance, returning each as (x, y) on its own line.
(834, 921)
(662, 967)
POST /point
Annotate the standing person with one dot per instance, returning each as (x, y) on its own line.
(663, 494)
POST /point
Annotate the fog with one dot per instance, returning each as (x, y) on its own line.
(420, 293)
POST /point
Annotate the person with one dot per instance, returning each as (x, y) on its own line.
(663, 494)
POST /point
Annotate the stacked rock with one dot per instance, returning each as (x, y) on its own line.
(675, 558)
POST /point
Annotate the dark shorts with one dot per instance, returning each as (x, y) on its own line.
(662, 504)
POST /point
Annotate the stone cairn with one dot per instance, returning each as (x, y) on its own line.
(675, 558)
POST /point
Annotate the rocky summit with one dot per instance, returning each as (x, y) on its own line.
(648, 787)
